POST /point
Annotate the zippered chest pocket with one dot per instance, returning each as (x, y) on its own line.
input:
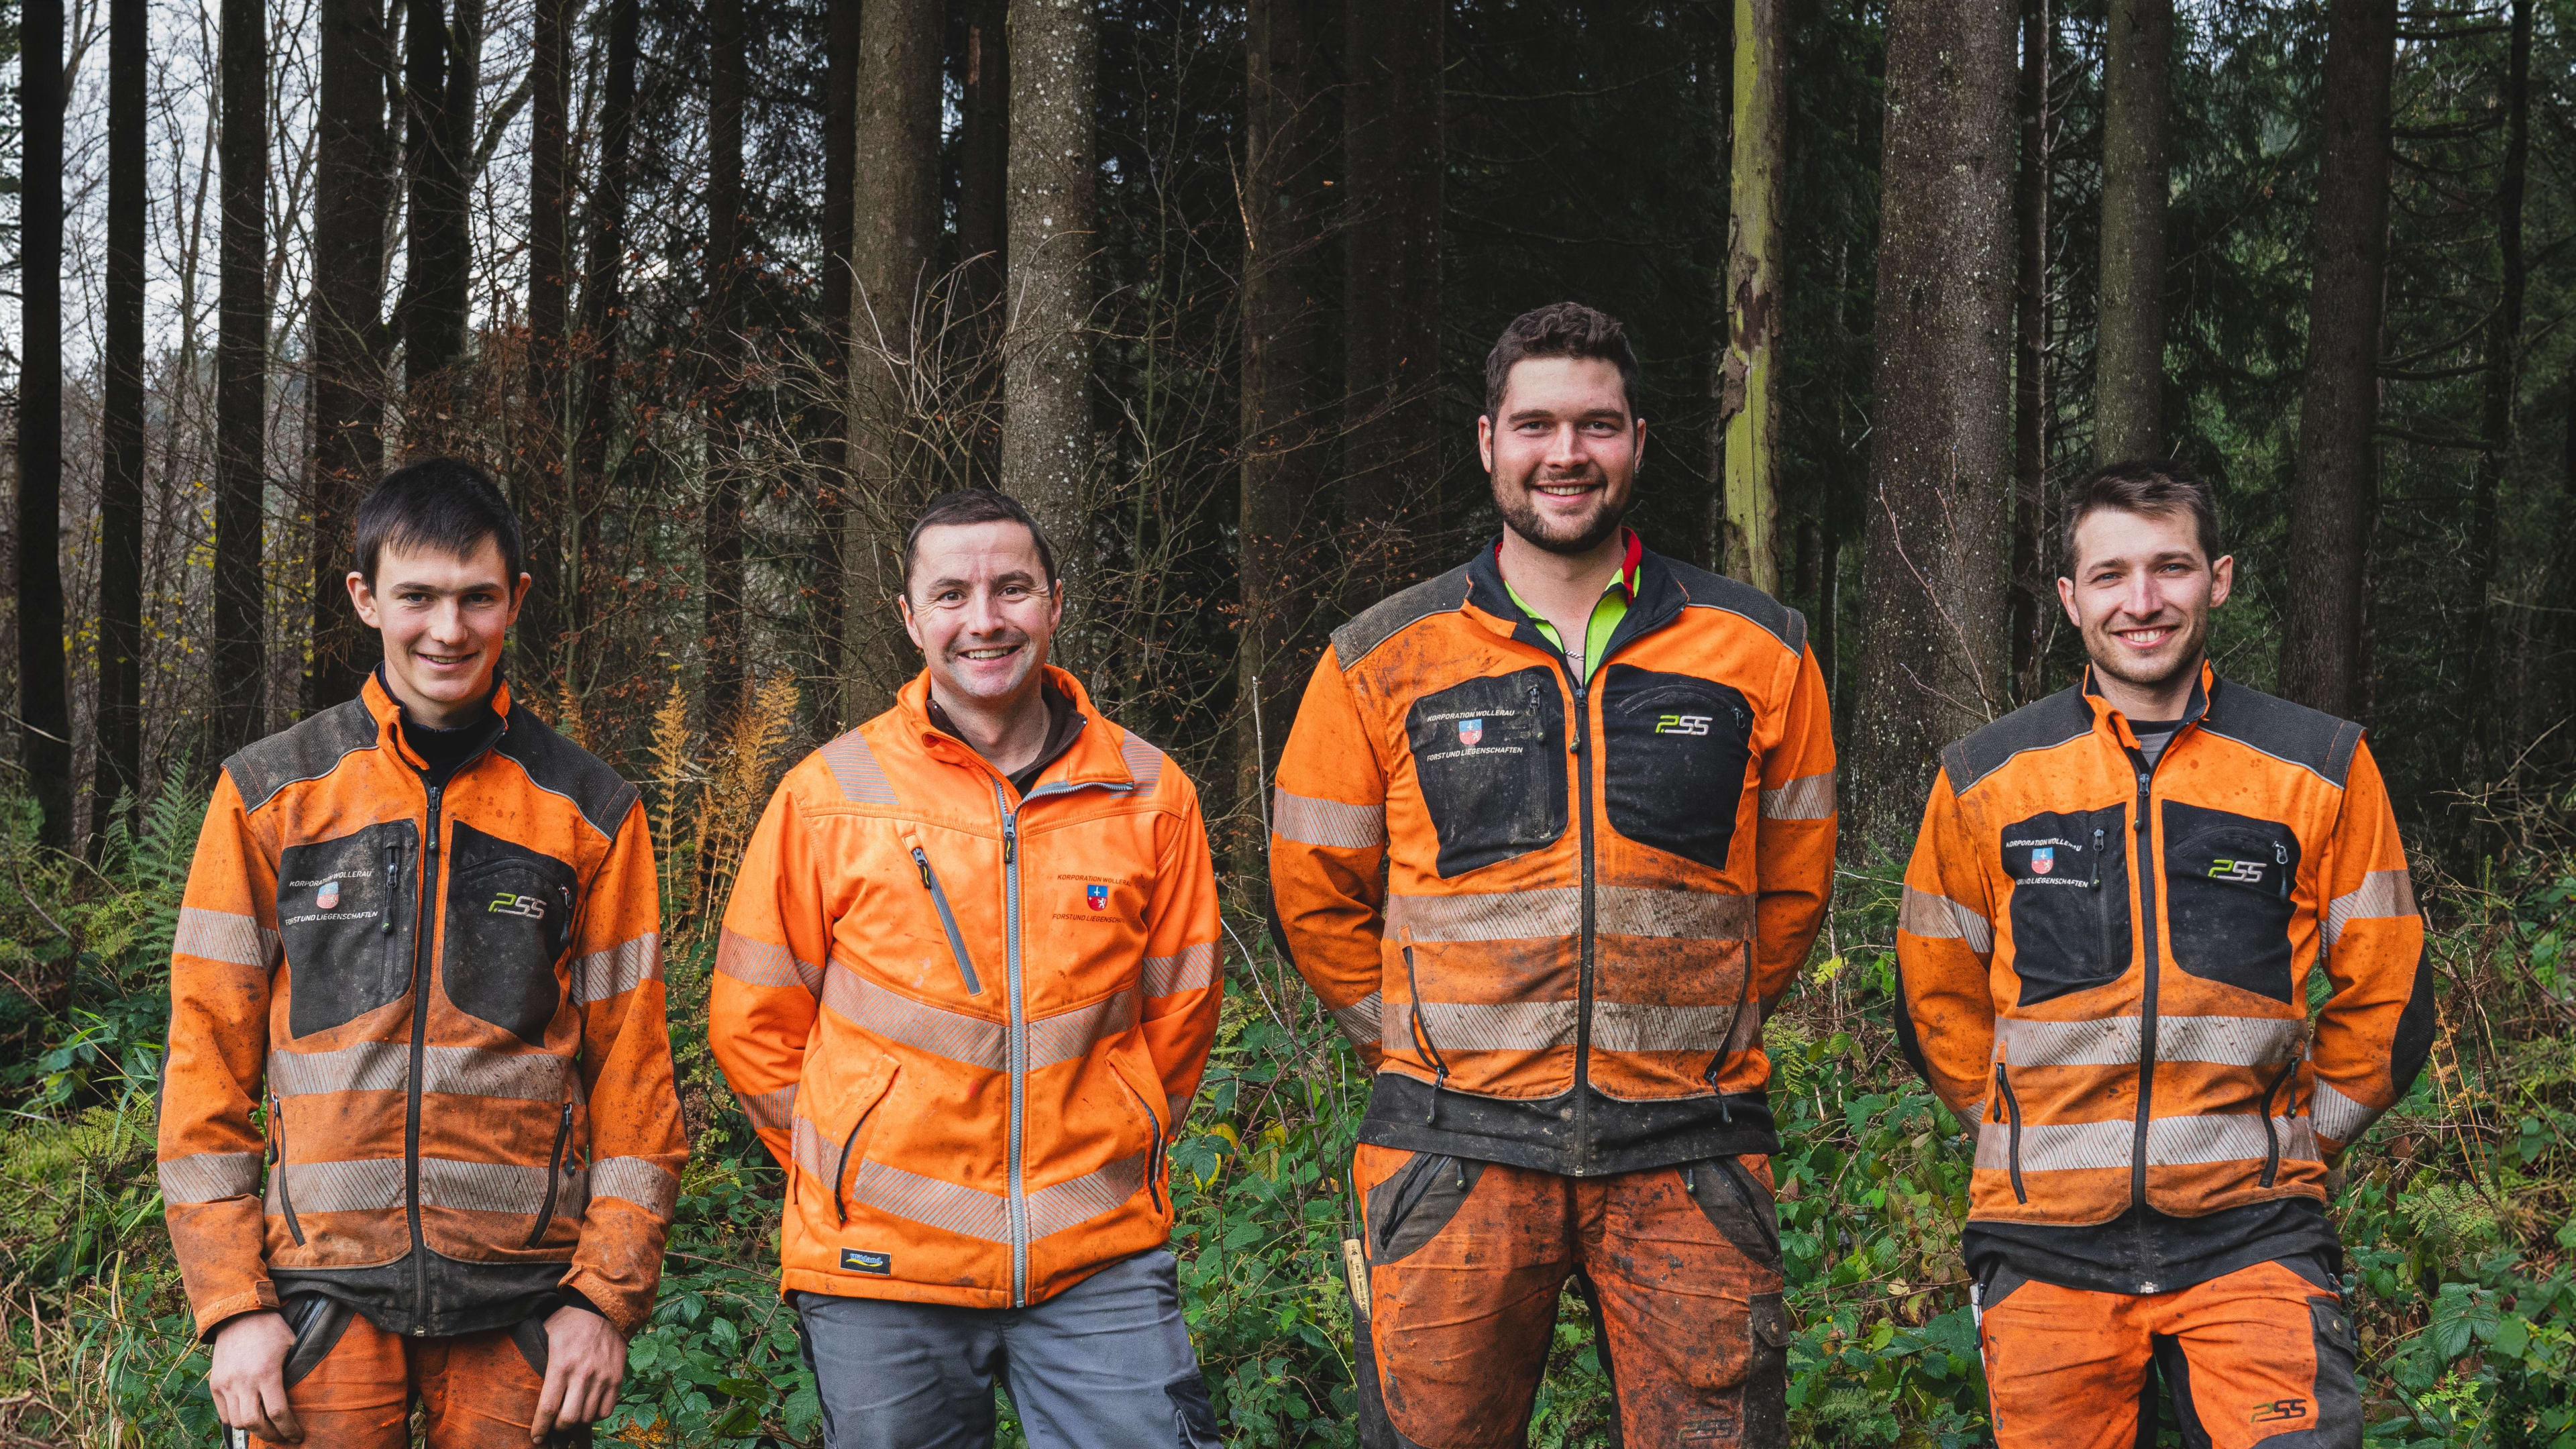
(345, 912)
(509, 921)
(1674, 751)
(2070, 900)
(1489, 755)
(2228, 903)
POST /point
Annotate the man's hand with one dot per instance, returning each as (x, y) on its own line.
(585, 1362)
(249, 1376)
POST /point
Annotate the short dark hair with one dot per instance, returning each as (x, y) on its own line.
(975, 505)
(1561, 329)
(2146, 485)
(444, 504)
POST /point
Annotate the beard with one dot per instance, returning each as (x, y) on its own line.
(2111, 657)
(1569, 539)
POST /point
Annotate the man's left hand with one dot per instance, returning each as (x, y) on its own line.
(585, 1362)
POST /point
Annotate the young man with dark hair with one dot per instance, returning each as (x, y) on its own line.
(1552, 834)
(965, 992)
(2109, 934)
(418, 980)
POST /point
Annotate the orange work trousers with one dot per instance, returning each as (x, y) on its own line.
(476, 1390)
(1467, 1260)
(2261, 1355)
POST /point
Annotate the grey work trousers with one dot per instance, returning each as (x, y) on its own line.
(1106, 1364)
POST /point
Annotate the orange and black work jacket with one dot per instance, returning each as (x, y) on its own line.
(2106, 959)
(968, 1021)
(433, 1014)
(1553, 912)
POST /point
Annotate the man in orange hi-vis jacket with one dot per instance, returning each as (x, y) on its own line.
(1552, 834)
(2112, 924)
(418, 980)
(966, 988)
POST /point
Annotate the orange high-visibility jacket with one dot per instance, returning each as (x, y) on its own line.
(451, 1060)
(2106, 963)
(965, 1021)
(1554, 913)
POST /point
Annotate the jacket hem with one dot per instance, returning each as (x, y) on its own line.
(1538, 1132)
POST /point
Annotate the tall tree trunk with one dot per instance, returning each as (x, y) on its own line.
(840, 173)
(118, 766)
(432, 335)
(2334, 496)
(1391, 158)
(896, 202)
(722, 537)
(983, 191)
(1284, 393)
(1933, 662)
(353, 187)
(1749, 392)
(2491, 751)
(2032, 597)
(541, 487)
(1046, 374)
(603, 309)
(2129, 370)
(44, 701)
(241, 386)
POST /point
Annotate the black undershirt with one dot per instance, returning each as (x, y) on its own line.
(1064, 726)
(2153, 735)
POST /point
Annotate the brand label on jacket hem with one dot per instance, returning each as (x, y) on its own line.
(858, 1260)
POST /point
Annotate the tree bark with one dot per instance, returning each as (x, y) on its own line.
(840, 173)
(1933, 663)
(2490, 751)
(603, 310)
(983, 206)
(353, 187)
(1284, 389)
(2325, 660)
(241, 386)
(2032, 597)
(722, 534)
(1392, 149)
(1748, 388)
(895, 199)
(44, 703)
(541, 487)
(432, 308)
(2129, 371)
(118, 754)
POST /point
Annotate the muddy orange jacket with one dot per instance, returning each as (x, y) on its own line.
(967, 1022)
(434, 1017)
(1552, 912)
(2107, 962)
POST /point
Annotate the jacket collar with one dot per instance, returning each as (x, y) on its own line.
(387, 713)
(1655, 598)
(1092, 759)
(2196, 710)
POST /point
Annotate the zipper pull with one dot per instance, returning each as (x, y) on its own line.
(393, 865)
(2281, 857)
(921, 863)
(2099, 841)
(1010, 838)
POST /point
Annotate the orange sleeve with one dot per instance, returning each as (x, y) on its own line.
(1945, 946)
(769, 972)
(2376, 1030)
(1184, 959)
(223, 964)
(1327, 852)
(637, 1147)
(1793, 854)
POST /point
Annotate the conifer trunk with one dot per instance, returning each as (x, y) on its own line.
(2503, 385)
(983, 206)
(721, 539)
(1749, 396)
(353, 187)
(2032, 597)
(1046, 371)
(117, 762)
(432, 308)
(2129, 369)
(44, 701)
(840, 125)
(241, 386)
(603, 309)
(541, 487)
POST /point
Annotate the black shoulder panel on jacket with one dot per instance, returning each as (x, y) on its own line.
(557, 764)
(2310, 739)
(1706, 590)
(1387, 617)
(306, 750)
(2038, 725)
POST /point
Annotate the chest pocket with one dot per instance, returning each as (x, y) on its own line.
(1490, 757)
(346, 909)
(2070, 900)
(1675, 749)
(509, 922)
(2227, 882)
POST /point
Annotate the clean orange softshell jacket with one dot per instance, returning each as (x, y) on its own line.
(965, 1021)
(452, 1063)
(2106, 963)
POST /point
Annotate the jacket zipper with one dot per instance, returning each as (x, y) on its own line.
(2272, 1134)
(841, 1170)
(1583, 987)
(1422, 1037)
(947, 921)
(2150, 869)
(1154, 1152)
(1018, 1042)
(554, 1178)
(419, 1045)
(285, 1195)
(2012, 1115)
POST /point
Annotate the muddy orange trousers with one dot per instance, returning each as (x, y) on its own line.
(1466, 1263)
(2261, 1355)
(476, 1390)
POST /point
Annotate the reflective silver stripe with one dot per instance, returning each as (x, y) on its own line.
(2340, 1117)
(1306, 820)
(373, 1185)
(770, 1109)
(1069, 1034)
(1078, 1200)
(483, 1187)
(758, 963)
(896, 1017)
(1695, 915)
(1939, 918)
(1456, 1026)
(1143, 760)
(2171, 1142)
(1809, 797)
(209, 1177)
(806, 1146)
(929, 1201)
(2383, 893)
(621, 968)
(2185, 1141)
(223, 936)
(1620, 1026)
(1193, 968)
(645, 1184)
(2240, 1041)
(384, 1066)
(368, 1066)
(854, 768)
(1359, 1020)
(1617, 911)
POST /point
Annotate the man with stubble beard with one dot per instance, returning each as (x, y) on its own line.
(1552, 834)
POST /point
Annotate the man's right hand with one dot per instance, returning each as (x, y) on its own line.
(249, 1376)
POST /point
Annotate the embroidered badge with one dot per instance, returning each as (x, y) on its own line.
(1096, 897)
(1470, 731)
(327, 898)
(2043, 860)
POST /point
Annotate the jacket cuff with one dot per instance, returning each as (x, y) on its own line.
(582, 1288)
(213, 1314)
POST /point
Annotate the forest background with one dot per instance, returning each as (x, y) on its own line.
(721, 289)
